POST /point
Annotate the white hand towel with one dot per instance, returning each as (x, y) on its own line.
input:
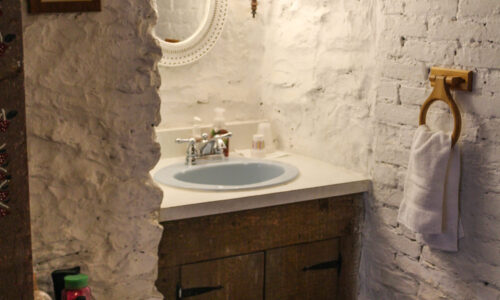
(430, 201)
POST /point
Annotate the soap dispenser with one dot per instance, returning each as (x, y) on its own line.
(219, 120)
(196, 128)
(219, 127)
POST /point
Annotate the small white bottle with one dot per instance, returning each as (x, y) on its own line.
(196, 128)
(258, 146)
(219, 120)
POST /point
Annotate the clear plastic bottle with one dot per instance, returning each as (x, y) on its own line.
(76, 287)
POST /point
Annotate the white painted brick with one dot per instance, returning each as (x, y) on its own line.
(488, 273)
(485, 292)
(386, 173)
(417, 7)
(405, 26)
(414, 95)
(427, 292)
(388, 90)
(492, 85)
(489, 154)
(392, 154)
(485, 56)
(484, 250)
(443, 28)
(387, 195)
(485, 106)
(388, 215)
(483, 8)
(406, 134)
(402, 230)
(401, 178)
(411, 72)
(438, 51)
(406, 285)
(393, 7)
(388, 146)
(399, 242)
(444, 7)
(485, 205)
(396, 114)
(447, 283)
(492, 31)
(428, 7)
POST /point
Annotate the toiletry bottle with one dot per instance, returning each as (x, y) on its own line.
(58, 280)
(258, 146)
(76, 287)
(219, 127)
(197, 128)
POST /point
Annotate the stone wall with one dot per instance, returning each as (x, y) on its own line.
(411, 37)
(92, 102)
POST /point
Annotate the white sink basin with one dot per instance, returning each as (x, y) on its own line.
(227, 175)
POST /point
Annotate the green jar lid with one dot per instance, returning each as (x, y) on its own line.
(75, 282)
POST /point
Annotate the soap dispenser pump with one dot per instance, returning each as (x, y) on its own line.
(219, 120)
(197, 128)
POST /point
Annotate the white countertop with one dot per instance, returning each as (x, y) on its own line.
(317, 179)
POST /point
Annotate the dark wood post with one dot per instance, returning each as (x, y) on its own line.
(16, 270)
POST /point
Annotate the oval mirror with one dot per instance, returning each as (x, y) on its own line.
(188, 29)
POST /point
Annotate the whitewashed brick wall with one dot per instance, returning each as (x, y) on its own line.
(413, 36)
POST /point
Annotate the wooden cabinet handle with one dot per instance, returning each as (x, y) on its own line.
(191, 292)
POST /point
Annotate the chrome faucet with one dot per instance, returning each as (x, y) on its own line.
(205, 148)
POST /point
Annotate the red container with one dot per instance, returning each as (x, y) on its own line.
(76, 287)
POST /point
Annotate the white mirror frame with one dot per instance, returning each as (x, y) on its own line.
(197, 45)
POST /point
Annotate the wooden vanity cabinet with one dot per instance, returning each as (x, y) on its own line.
(306, 250)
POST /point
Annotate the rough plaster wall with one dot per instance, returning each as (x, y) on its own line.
(91, 95)
(411, 36)
(179, 19)
(306, 66)
(317, 78)
(228, 76)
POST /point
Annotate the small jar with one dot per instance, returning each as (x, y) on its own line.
(76, 287)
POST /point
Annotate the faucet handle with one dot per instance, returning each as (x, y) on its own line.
(204, 137)
(225, 135)
(191, 151)
(183, 141)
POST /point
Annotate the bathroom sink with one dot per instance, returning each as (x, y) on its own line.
(227, 175)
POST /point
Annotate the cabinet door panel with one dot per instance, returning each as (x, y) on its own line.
(239, 277)
(307, 271)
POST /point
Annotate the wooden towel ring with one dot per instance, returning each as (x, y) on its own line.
(442, 92)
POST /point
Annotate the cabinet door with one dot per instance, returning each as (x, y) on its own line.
(239, 277)
(307, 271)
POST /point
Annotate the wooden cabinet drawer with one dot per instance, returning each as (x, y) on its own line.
(217, 236)
(238, 277)
(307, 271)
